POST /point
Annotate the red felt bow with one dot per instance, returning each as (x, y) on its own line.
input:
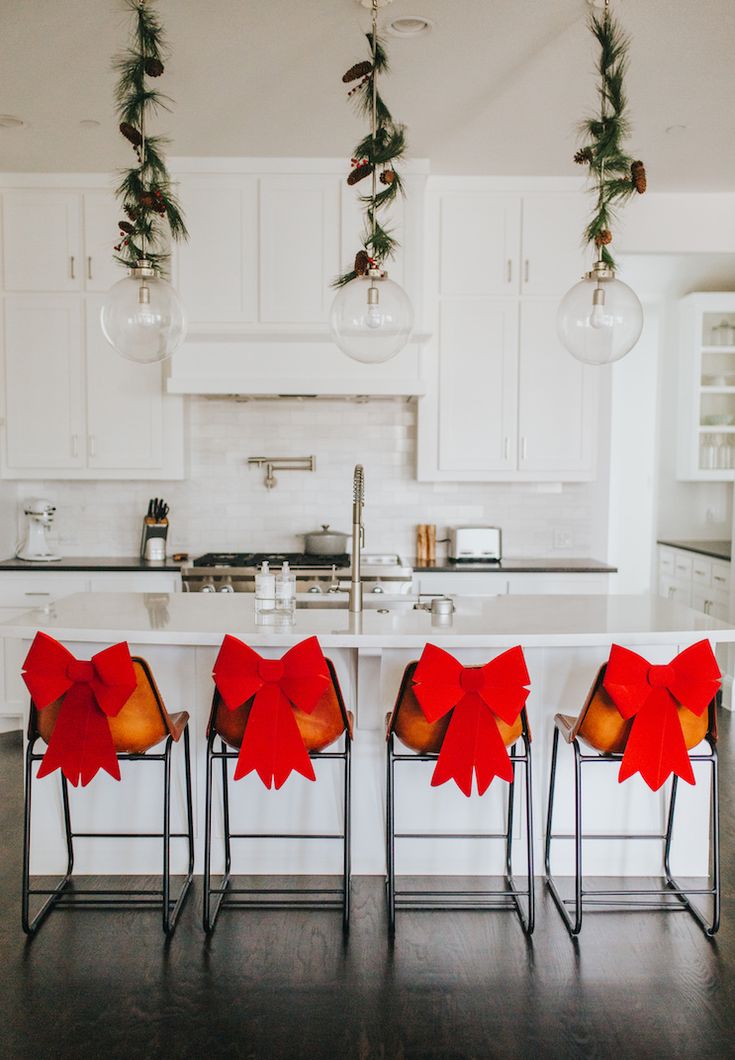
(650, 694)
(474, 695)
(272, 744)
(81, 742)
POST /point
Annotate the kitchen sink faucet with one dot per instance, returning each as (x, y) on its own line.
(358, 537)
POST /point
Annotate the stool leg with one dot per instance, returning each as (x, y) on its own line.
(30, 926)
(226, 816)
(206, 919)
(390, 838)
(173, 908)
(167, 837)
(527, 922)
(573, 926)
(529, 841)
(347, 859)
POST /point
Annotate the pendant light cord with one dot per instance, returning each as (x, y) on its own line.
(374, 120)
(141, 122)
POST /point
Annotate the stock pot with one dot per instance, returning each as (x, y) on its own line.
(325, 542)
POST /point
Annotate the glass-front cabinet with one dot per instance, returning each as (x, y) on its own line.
(706, 420)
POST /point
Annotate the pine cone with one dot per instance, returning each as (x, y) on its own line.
(603, 237)
(131, 212)
(153, 67)
(359, 172)
(638, 176)
(125, 226)
(362, 263)
(147, 201)
(358, 70)
(387, 176)
(131, 133)
(584, 156)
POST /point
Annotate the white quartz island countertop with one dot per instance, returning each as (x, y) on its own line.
(492, 622)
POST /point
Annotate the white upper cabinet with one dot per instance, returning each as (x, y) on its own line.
(299, 247)
(504, 400)
(44, 417)
(102, 215)
(42, 247)
(124, 405)
(216, 272)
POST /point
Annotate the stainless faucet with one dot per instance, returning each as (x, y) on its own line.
(358, 537)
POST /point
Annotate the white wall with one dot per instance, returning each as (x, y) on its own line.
(223, 504)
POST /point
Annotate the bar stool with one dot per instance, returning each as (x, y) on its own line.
(645, 719)
(93, 715)
(463, 719)
(275, 716)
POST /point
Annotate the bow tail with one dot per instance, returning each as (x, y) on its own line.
(655, 746)
(272, 744)
(81, 743)
(491, 756)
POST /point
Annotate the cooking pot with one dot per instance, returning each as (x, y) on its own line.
(325, 542)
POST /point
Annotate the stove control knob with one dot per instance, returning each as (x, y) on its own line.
(378, 589)
(208, 587)
(314, 589)
(226, 588)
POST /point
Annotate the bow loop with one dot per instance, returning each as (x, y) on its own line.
(81, 742)
(475, 695)
(272, 744)
(652, 696)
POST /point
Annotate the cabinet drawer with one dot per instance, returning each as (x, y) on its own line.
(713, 602)
(467, 584)
(720, 576)
(701, 570)
(682, 565)
(38, 590)
(666, 561)
(672, 589)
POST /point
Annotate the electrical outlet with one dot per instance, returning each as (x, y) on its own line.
(562, 539)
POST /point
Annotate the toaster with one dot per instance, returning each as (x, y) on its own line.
(475, 543)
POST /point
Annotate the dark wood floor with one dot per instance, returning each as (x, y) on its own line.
(283, 984)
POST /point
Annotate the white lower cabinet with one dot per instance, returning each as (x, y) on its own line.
(472, 583)
(698, 581)
(22, 590)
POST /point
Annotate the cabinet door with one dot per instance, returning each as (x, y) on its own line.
(557, 417)
(479, 239)
(43, 382)
(101, 216)
(217, 269)
(124, 404)
(41, 244)
(477, 384)
(552, 258)
(299, 247)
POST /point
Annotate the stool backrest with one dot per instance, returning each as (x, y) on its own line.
(142, 722)
(322, 727)
(601, 725)
(409, 723)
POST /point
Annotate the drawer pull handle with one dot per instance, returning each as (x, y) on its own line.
(526, 271)
(509, 271)
(719, 578)
(89, 268)
(506, 448)
(37, 594)
(72, 274)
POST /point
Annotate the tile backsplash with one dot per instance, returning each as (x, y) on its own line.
(224, 505)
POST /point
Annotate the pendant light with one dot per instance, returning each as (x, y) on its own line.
(600, 319)
(142, 317)
(371, 316)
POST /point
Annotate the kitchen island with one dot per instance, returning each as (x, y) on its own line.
(565, 638)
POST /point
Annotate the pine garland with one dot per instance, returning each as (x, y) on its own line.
(375, 155)
(615, 174)
(145, 190)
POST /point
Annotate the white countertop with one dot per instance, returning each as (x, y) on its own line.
(498, 621)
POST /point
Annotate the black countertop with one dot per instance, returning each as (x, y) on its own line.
(92, 563)
(715, 549)
(515, 566)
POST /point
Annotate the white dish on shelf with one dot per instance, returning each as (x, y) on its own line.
(718, 420)
(721, 379)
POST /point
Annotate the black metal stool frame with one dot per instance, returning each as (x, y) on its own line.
(272, 897)
(60, 897)
(631, 898)
(427, 901)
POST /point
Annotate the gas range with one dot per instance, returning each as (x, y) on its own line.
(227, 572)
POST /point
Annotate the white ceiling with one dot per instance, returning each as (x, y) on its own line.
(497, 87)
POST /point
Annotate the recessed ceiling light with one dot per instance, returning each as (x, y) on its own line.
(7, 121)
(409, 26)
(89, 123)
(675, 130)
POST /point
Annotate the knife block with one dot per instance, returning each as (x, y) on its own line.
(152, 529)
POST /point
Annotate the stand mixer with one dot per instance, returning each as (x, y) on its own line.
(35, 547)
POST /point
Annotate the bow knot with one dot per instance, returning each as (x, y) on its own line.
(660, 676)
(652, 696)
(272, 744)
(92, 690)
(80, 670)
(475, 696)
(270, 669)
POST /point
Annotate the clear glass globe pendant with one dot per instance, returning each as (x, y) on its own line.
(142, 317)
(371, 318)
(600, 319)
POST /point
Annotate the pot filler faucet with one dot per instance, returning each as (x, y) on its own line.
(358, 537)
